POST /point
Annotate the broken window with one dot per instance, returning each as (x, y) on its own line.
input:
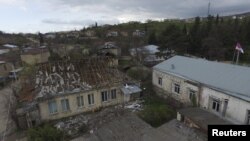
(104, 96)
(65, 104)
(113, 94)
(91, 99)
(216, 105)
(177, 88)
(160, 81)
(52, 107)
(80, 101)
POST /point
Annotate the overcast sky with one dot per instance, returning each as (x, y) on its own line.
(59, 15)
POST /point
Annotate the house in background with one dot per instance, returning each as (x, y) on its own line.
(6, 48)
(35, 55)
(139, 33)
(147, 54)
(112, 34)
(222, 89)
(110, 48)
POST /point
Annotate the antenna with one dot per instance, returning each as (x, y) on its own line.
(208, 9)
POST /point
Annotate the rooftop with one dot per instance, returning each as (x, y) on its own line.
(66, 77)
(34, 51)
(231, 79)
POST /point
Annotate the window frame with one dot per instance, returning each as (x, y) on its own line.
(65, 105)
(216, 105)
(53, 104)
(113, 94)
(91, 99)
(177, 88)
(160, 81)
(80, 101)
(104, 96)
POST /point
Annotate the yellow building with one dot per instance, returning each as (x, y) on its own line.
(67, 88)
(35, 56)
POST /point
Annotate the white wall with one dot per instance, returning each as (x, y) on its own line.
(236, 109)
(167, 86)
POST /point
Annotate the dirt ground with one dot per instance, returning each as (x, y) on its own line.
(129, 127)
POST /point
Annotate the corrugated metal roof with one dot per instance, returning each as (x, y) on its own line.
(231, 79)
(130, 89)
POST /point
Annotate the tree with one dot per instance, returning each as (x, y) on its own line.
(45, 133)
(152, 38)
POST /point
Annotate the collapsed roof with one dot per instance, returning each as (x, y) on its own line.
(64, 77)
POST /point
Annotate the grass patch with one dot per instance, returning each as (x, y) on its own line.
(156, 112)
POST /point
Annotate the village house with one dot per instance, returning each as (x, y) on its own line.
(222, 89)
(6, 48)
(35, 55)
(110, 48)
(67, 88)
(147, 54)
(138, 33)
(112, 34)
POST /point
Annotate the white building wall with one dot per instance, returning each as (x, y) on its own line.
(236, 109)
(168, 86)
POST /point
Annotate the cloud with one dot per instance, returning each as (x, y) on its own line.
(57, 14)
(85, 22)
(158, 8)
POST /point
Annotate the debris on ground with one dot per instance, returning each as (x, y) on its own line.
(134, 106)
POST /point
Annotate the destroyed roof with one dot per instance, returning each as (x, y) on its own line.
(231, 79)
(64, 77)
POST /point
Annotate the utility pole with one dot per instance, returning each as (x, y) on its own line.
(208, 9)
(237, 59)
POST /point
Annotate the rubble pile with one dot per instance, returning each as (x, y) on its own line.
(72, 126)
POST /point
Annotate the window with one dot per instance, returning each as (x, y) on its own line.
(176, 88)
(80, 101)
(91, 99)
(113, 94)
(248, 117)
(191, 94)
(104, 96)
(52, 107)
(216, 105)
(160, 81)
(65, 105)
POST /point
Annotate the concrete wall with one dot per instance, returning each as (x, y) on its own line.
(236, 109)
(167, 86)
(74, 110)
(35, 58)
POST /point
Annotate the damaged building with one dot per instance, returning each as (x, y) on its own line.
(67, 88)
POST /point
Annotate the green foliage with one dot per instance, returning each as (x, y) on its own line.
(152, 38)
(138, 73)
(156, 112)
(45, 133)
